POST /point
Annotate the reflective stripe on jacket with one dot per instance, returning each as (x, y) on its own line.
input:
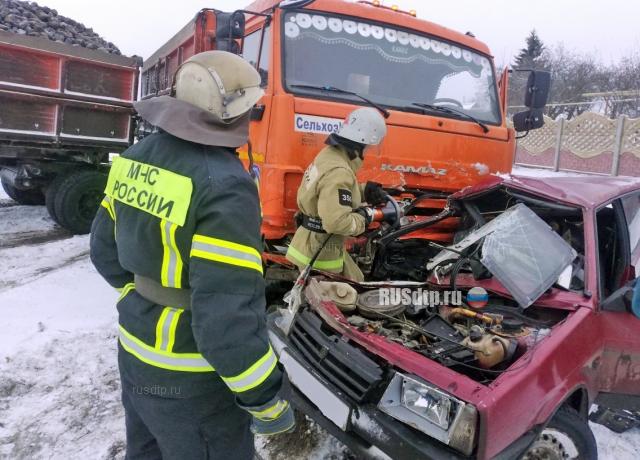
(330, 191)
(188, 217)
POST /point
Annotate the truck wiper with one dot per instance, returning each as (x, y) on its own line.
(333, 89)
(438, 108)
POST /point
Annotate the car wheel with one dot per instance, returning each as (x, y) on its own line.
(77, 199)
(24, 197)
(567, 436)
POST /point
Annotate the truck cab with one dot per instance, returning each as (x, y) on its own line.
(447, 127)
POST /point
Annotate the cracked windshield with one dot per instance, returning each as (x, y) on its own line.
(392, 67)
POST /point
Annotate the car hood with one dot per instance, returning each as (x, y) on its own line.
(580, 190)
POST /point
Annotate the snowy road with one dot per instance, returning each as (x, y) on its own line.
(59, 387)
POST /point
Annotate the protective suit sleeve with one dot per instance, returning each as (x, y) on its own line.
(362, 186)
(227, 301)
(335, 207)
(103, 249)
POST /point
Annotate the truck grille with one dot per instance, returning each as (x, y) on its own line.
(346, 367)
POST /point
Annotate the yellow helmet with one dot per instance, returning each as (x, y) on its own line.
(220, 83)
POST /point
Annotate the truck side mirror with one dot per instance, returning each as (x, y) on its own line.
(230, 27)
(528, 120)
(537, 93)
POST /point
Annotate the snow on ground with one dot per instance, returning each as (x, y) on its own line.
(23, 219)
(542, 172)
(614, 446)
(59, 386)
(25, 263)
(4, 199)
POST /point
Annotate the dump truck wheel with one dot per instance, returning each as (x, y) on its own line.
(24, 197)
(77, 198)
(50, 193)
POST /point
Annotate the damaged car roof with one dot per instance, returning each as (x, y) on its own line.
(583, 190)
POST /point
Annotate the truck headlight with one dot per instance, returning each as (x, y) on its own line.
(432, 411)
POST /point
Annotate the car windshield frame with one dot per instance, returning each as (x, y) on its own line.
(407, 107)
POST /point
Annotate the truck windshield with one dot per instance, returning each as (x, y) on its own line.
(390, 66)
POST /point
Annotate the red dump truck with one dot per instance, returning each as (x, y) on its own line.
(63, 110)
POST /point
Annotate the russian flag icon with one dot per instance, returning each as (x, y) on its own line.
(477, 297)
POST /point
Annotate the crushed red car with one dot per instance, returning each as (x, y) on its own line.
(510, 367)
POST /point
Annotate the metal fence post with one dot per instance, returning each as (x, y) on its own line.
(617, 148)
(556, 159)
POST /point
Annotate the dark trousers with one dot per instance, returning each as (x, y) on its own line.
(163, 425)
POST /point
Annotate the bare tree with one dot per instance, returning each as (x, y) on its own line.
(572, 76)
(579, 82)
(624, 86)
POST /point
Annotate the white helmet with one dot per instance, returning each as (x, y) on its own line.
(365, 126)
(219, 82)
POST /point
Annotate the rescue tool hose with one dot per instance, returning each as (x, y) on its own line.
(304, 276)
(295, 295)
(475, 214)
(394, 203)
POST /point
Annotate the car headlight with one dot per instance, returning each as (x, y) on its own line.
(432, 411)
(427, 402)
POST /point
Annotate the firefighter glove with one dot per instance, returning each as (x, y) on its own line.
(367, 213)
(274, 417)
(374, 193)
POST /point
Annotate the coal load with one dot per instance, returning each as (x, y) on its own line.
(29, 18)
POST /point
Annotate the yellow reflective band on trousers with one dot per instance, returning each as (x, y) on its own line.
(335, 264)
(226, 252)
(255, 375)
(272, 412)
(154, 190)
(185, 362)
(166, 328)
(171, 271)
(126, 289)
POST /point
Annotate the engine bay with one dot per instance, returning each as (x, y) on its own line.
(404, 252)
(471, 285)
(481, 343)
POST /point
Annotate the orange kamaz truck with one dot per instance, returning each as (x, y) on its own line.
(319, 60)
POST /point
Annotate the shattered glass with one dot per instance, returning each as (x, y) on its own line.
(525, 254)
(521, 250)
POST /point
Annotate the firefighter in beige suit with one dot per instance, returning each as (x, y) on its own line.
(330, 198)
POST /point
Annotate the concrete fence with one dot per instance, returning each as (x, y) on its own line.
(588, 143)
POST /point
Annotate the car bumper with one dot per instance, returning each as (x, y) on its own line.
(367, 431)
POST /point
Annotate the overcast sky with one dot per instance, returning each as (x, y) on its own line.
(609, 29)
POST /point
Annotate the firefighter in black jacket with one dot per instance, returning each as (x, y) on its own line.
(178, 233)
